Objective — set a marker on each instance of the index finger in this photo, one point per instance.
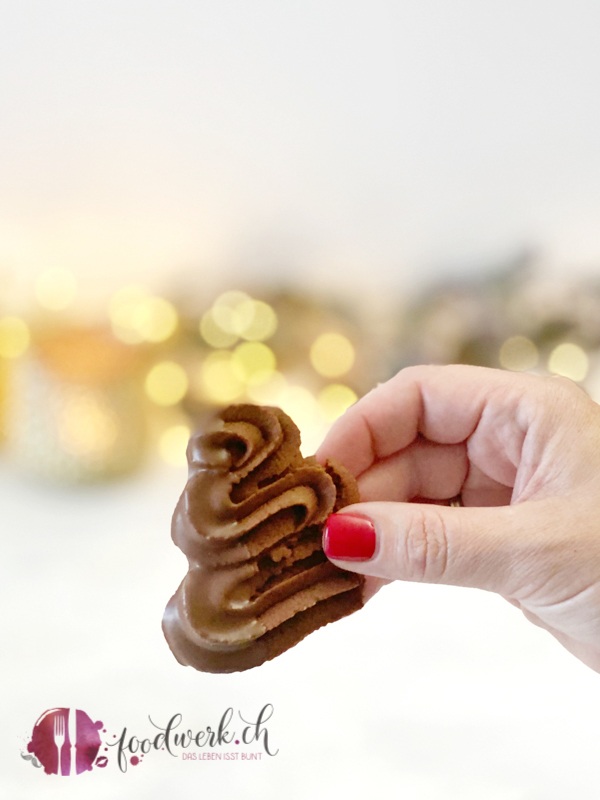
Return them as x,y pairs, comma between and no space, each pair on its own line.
445,404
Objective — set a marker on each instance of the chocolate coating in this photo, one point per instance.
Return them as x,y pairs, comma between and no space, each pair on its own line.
249,521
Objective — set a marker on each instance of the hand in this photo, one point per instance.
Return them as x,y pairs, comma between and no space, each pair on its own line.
522,451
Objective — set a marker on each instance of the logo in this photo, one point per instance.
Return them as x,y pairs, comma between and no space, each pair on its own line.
67,741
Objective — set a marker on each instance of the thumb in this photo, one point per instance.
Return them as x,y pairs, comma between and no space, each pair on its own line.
490,548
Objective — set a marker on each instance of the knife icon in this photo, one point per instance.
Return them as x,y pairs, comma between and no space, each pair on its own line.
72,741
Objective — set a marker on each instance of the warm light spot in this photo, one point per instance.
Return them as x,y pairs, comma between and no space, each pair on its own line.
235,315
213,334
172,445
262,323
335,399
268,391
14,337
155,319
243,314
123,312
518,353
302,407
253,362
296,401
137,316
55,289
166,384
232,311
569,360
86,428
218,380
332,355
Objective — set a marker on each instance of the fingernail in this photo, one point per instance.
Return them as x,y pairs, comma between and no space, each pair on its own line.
349,537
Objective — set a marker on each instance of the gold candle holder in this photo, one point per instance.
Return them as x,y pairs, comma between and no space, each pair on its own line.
75,410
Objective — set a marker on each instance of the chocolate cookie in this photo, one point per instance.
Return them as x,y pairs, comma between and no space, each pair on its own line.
250,522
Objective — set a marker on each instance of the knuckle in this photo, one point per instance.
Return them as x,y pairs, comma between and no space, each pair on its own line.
564,389
426,547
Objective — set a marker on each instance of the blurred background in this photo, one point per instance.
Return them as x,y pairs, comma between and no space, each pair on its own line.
281,202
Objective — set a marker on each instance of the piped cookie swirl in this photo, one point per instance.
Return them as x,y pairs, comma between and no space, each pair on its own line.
250,522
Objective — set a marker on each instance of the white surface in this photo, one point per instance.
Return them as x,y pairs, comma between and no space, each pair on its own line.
146,139
427,693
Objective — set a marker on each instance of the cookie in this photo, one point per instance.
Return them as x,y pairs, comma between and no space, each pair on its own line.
250,522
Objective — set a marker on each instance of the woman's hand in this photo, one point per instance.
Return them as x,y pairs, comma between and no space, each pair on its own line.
523,453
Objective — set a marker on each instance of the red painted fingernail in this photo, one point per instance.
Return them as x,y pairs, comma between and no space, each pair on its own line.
349,537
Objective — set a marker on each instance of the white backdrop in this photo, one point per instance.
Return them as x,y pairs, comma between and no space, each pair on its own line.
391,139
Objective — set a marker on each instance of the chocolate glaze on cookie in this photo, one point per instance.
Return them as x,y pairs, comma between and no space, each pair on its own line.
250,522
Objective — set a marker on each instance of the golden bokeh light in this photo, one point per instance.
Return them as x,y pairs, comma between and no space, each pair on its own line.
335,399
55,289
232,311
213,334
262,323
156,319
166,383
253,362
218,380
137,316
332,355
235,315
518,353
122,310
172,445
268,390
569,360
301,406
14,337
86,427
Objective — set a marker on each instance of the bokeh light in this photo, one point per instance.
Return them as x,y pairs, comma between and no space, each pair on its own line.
172,445
217,379
332,355
14,337
300,404
267,392
122,311
253,362
86,427
335,399
569,360
137,316
213,334
232,311
166,383
518,353
262,324
235,315
156,319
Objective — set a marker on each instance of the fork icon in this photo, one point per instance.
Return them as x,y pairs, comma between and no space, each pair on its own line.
59,738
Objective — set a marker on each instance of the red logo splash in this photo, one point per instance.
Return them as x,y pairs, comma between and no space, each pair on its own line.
66,741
